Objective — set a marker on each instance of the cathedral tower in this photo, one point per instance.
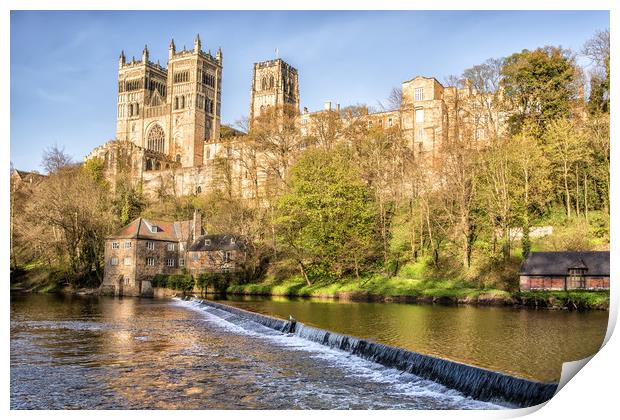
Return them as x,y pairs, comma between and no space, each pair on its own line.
274,83
171,112
195,96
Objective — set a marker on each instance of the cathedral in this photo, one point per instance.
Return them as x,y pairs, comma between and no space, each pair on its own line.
169,133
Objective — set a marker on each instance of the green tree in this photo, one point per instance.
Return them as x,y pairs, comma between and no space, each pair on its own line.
540,85
327,218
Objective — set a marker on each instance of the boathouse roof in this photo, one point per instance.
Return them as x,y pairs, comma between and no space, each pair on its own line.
596,263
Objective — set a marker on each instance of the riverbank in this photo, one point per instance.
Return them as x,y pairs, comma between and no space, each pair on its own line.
373,289
404,290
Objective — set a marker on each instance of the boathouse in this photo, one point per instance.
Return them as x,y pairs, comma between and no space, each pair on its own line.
581,270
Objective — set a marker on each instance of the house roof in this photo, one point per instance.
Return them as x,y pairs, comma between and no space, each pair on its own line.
157,230
216,243
558,263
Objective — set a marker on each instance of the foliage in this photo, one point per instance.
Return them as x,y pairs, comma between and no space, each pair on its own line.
184,282
540,84
326,219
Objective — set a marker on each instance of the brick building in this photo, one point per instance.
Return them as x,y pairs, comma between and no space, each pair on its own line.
565,271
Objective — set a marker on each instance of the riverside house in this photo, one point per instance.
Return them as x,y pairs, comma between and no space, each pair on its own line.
583,270
145,248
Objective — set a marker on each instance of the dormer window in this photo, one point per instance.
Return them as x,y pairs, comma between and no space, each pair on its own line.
207,242
232,241
154,229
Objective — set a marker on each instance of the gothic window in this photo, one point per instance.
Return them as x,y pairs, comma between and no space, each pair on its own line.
198,190
182,101
157,166
156,139
264,83
149,165
137,109
178,158
176,102
271,82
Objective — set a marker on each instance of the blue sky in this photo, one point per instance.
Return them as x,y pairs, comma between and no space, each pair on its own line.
64,64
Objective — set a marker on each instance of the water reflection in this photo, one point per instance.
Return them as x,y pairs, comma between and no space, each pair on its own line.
523,342
81,352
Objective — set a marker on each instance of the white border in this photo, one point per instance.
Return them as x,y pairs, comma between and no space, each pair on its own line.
590,394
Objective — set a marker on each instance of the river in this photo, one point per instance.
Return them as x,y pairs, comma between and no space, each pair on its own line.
102,353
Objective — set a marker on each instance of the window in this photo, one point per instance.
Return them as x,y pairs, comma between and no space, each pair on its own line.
114,261
127,244
150,261
420,134
419,115
126,280
154,229
418,94
156,139
232,241
170,262
207,242
194,257
181,262
127,261
116,245
389,122
227,256
170,247
150,245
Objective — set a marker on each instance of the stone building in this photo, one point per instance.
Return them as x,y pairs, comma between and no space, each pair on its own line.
565,271
142,249
168,120
145,248
216,253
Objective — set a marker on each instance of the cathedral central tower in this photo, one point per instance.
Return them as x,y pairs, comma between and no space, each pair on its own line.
274,84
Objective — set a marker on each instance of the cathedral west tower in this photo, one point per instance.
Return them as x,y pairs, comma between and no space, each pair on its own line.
172,112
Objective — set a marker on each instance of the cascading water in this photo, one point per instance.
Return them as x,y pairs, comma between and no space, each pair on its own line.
481,384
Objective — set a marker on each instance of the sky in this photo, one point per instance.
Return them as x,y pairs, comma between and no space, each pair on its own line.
64,64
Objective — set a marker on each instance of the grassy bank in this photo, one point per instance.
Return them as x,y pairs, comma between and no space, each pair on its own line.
378,288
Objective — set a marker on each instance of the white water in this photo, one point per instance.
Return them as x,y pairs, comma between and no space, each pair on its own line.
394,382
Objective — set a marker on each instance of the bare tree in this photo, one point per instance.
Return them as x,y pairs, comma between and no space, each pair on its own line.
55,158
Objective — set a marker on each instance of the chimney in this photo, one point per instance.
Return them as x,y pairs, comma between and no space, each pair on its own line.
338,108
328,106
197,225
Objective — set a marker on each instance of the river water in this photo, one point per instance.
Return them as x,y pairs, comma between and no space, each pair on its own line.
527,343
103,353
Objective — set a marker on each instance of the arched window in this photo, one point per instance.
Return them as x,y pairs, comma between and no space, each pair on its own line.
176,102
157,166
179,158
264,83
149,165
137,109
131,110
271,82
156,139
198,190
182,101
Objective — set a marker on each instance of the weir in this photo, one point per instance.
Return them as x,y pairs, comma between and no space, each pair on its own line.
476,382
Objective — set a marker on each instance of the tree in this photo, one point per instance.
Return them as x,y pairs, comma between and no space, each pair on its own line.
540,85
55,158
73,213
326,219
566,149
597,49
